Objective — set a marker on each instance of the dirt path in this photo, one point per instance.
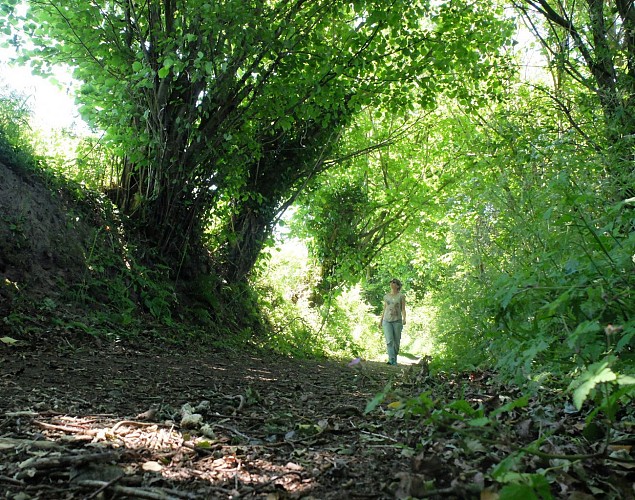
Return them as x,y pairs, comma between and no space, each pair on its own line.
73,420
110,421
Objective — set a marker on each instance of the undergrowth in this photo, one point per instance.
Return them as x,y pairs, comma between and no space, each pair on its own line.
118,287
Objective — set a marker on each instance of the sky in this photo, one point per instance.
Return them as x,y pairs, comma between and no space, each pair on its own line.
52,106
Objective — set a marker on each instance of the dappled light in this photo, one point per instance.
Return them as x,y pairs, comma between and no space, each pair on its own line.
217,424
131,457
318,249
237,426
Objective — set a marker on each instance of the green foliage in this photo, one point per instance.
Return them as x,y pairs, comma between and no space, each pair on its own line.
341,327
14,116
582,50
406,147
206,104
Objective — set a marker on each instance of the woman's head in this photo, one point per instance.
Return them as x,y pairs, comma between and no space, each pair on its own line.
396,282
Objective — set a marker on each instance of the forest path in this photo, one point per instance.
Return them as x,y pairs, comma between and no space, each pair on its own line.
122,421
162,423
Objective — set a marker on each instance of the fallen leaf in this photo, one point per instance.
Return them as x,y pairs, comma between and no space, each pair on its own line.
618,447
489,494
624,458
152,466
411,485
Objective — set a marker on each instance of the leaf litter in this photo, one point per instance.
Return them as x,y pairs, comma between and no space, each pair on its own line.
131,421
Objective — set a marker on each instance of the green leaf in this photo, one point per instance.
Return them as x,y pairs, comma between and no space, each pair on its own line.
502,470
525,486
479,422
518,403
8,341
376,401
596,373
624,341
517,492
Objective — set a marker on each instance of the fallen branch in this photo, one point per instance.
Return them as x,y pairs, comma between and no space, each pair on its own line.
7,443
10,480
249,491
151,494
104,487
46,463
134,423
65,428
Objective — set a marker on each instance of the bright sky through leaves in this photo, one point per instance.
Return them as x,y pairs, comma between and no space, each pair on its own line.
52,106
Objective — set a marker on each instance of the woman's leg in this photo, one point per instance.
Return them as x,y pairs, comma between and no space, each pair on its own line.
397,329
389,335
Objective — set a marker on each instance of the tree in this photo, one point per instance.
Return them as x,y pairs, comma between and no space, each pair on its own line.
593,43
222,111
380,191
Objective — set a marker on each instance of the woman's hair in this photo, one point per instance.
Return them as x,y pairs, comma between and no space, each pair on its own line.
396,282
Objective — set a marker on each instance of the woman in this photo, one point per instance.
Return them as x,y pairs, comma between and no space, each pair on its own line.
393,319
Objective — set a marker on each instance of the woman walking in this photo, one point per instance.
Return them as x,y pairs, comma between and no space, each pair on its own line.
393,319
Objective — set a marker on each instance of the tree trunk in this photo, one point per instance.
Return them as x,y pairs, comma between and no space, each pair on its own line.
251,228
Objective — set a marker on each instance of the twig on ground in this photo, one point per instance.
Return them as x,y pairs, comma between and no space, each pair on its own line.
45,463
104,487
153,494
134,423
65,428
254,489
10,480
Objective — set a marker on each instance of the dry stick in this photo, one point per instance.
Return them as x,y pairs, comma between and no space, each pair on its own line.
154,494
10,480
104,487
57,462
232,430
264,485
65,428
134,423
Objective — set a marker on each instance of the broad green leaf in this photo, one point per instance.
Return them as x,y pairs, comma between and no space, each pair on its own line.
517,403
525,486
503,469
8,341
624,341
517,492
595,374
479,422
373,403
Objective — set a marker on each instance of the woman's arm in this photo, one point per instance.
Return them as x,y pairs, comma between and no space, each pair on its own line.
403,309
381,318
